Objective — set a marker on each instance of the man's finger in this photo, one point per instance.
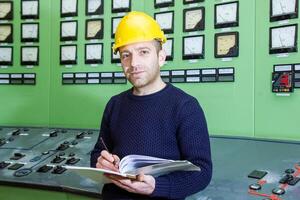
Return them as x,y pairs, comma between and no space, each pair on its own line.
141,177
116,160
105,164
106,155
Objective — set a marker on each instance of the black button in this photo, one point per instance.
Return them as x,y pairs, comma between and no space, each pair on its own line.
57,159
2,141
285,179
80,135
255,186
64,131
62,154
62,147
44,169
278,191
53,134
17,156
16,132
58,170
71,154
4,164
15,166
294,181
289,171
72,161
257,174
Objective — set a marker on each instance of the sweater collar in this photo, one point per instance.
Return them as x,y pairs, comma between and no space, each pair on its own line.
149,96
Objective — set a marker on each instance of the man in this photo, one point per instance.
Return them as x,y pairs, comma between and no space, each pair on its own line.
153,118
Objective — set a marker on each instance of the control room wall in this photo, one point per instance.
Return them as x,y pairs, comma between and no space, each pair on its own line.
245,107
275,116
25,104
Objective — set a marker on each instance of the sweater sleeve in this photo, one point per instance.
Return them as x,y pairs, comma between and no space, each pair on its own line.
194,145
104,133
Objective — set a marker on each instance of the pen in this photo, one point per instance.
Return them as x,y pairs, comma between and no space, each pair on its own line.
104,145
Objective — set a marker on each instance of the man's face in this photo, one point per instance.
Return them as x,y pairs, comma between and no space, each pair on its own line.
141,63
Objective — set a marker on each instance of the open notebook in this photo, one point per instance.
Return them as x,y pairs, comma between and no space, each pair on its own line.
132,165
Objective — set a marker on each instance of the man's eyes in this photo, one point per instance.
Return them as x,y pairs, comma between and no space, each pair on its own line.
124,55
141,52
144,52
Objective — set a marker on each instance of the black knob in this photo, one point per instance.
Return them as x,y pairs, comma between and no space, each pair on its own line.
255,186
278,191
71,154
61,154
289,171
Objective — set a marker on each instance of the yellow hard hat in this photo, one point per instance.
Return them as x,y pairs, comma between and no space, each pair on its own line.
137,27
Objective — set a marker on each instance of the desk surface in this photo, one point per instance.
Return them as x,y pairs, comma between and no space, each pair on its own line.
233,160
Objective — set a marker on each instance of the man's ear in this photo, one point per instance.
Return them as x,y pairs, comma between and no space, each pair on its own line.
161,57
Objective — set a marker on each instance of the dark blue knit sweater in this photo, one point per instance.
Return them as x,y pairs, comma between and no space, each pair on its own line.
168,124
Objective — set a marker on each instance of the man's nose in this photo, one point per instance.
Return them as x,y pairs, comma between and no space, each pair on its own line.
135,60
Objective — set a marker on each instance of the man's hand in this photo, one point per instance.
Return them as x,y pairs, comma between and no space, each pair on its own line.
145,184
108,161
